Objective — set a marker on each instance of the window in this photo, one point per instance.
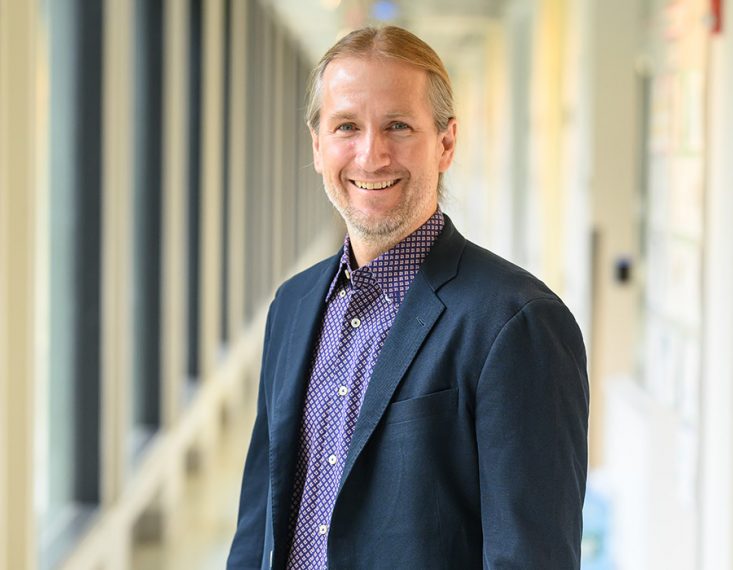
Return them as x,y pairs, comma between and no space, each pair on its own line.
147,216
70,488
254,175
194,190
225,190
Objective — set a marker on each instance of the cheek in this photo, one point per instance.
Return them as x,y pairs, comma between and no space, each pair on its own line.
422,159
336,157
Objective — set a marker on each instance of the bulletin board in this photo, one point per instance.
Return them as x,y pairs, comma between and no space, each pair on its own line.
672,228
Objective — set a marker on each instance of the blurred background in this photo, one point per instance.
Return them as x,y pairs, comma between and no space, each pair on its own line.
156,185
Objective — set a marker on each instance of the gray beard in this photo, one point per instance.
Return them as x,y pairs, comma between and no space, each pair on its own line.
382,232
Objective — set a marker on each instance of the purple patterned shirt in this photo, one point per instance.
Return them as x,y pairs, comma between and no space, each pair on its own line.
361,306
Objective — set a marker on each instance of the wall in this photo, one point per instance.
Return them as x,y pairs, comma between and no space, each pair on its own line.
716,478
653,423
17,256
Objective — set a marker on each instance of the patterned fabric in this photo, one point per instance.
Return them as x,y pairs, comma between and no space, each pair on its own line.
361,306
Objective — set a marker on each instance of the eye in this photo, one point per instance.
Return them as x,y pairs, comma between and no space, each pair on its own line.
346,128
399,126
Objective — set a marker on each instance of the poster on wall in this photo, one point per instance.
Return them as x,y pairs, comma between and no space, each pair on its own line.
671,228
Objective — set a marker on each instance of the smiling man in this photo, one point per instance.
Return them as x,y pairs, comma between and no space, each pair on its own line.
423,403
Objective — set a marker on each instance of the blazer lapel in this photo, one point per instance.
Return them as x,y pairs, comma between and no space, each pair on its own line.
416,318
288,398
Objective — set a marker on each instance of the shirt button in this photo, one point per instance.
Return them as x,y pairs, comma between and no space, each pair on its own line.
342,293
347,273
332,459
386,298
343,390
355,322
323,529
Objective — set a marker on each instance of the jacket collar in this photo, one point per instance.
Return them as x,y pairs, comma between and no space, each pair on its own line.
394,270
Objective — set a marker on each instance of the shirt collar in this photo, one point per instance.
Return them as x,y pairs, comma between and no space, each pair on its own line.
394,270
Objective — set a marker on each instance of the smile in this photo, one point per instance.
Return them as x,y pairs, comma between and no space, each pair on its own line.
374,185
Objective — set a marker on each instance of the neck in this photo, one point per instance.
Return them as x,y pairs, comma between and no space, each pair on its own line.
366,251
365,248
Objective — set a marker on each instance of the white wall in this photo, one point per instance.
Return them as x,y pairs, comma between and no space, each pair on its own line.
717,397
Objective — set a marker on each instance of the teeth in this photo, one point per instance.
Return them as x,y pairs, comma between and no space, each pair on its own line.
375,185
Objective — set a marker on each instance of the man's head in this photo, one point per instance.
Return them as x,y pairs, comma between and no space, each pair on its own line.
380,112
389,42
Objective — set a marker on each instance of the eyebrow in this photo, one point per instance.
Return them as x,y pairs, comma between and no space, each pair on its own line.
341,116
347,116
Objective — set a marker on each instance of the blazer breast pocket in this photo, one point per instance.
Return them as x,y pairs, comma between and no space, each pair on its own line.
436,404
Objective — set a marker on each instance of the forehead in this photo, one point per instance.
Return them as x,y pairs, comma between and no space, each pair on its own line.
374,80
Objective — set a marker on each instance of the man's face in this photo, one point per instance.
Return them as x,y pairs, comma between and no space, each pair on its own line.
377,146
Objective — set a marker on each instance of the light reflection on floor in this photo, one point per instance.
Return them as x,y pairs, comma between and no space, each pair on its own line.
207,514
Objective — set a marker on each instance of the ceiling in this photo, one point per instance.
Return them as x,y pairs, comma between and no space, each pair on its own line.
451,27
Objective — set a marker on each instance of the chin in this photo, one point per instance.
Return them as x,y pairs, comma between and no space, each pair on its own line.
376,226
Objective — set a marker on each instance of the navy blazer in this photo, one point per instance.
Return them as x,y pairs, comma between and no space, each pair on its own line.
470,450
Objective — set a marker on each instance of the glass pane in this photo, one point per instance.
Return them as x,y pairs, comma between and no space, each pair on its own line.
145,408
69,487
254,126
194,186
227,46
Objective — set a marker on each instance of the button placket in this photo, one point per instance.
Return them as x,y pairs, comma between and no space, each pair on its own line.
369,296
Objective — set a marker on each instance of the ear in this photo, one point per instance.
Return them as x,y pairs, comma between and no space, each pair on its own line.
316,152
447,145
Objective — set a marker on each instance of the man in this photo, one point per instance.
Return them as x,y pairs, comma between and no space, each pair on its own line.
423,403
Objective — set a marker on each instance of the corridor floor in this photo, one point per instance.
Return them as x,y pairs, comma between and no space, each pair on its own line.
207,515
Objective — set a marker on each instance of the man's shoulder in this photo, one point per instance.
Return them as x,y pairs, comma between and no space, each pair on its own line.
501,272
488,291
471,274
303,282
488,279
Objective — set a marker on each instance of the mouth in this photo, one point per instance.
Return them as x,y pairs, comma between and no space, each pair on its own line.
374,185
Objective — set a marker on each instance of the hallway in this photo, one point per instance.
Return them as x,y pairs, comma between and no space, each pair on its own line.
205,513
157,186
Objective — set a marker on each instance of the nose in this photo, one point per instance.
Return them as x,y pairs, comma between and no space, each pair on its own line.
372,153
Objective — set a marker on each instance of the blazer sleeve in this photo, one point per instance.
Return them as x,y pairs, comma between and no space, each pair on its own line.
531,430
247,547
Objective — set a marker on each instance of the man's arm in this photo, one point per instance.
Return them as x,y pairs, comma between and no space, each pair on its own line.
531,429
248,543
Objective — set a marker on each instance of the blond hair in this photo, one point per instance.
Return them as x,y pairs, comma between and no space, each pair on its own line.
393,43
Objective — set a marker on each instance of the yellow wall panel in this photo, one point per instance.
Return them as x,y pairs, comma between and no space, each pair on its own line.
17,257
